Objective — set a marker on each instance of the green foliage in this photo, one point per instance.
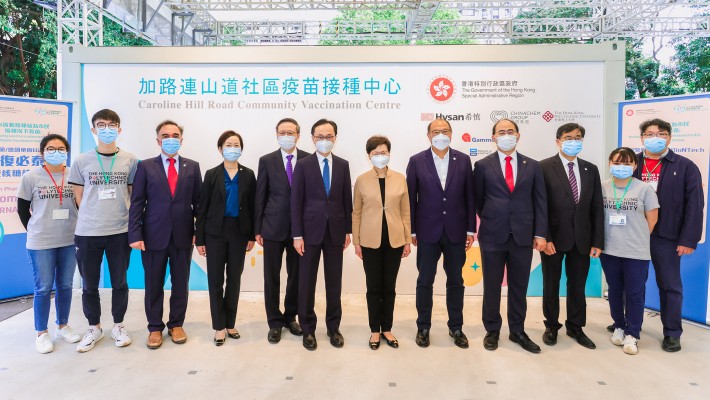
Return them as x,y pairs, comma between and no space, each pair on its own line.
692,61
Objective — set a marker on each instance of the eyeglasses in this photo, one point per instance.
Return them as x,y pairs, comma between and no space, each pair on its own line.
441,132
660,134
564,139
103,125
286,133
508,132
52,150
330,138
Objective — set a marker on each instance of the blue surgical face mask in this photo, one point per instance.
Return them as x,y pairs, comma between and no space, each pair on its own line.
286,142
572,147
380,161
654,144
507,142
170,145
231,153
107,135
56,158
621,171
440,142
324,146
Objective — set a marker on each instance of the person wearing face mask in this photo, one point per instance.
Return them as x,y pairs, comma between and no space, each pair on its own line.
102,179
678,185
45,204
511,201
166,192
576,233
630,214
225,232
382,235
443,218
273,225
321,221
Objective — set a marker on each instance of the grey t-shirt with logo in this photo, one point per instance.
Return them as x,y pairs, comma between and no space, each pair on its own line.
49,227
632,240
104,204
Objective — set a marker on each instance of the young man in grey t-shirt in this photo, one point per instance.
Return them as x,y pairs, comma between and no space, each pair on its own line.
102,181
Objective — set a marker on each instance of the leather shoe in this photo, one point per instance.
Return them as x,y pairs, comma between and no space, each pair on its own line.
336,338
422,339
374,345
274,335
490,341
155,340
610,328
391,343
670,344
524,341
460,339
550,337
581,338
309,342
178,335
294,328
234,335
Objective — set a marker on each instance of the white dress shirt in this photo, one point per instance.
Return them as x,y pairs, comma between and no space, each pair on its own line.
514,162
442,166
575,169
293,159
166,163
330,164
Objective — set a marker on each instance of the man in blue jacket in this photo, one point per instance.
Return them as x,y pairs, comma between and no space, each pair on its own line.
680,220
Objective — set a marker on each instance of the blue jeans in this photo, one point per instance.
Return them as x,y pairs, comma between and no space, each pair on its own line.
52,267
626,278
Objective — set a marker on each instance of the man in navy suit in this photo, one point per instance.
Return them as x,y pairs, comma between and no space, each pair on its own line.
511,201
273,228
321,221
166,191
443,215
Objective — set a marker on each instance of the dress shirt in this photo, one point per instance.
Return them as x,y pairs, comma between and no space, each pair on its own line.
576,172
330,164
231,186
514,162
166,162
293,159
442,166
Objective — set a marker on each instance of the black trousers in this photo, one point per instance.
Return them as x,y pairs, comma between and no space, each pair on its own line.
577,270
496,258
90,251
307,277
666,264
428,255
225,257
273,258
155,263
381,269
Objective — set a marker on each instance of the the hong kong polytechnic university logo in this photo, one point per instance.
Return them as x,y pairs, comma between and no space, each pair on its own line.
442,89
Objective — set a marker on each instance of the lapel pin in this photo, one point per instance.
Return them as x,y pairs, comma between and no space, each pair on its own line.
673,173
524,162
585,169
454,158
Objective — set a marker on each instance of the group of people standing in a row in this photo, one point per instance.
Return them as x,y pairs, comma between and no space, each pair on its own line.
304,205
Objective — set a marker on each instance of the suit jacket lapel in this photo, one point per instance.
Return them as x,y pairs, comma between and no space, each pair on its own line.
240,184
564,179
495,161
432,168
452,167
182,173
219,181
522,165
163,177
280,168
316,164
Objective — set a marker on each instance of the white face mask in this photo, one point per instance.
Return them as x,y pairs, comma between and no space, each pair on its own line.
507,142
287,142
324,146
380,161
440,141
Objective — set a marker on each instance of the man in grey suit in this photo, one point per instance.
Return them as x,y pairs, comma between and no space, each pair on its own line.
273,228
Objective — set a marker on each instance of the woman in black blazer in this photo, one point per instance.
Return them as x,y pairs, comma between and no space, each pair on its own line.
225,231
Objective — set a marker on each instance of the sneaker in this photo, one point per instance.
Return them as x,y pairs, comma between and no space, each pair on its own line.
617,338
120,335
631,345
68,334
44,344
93,335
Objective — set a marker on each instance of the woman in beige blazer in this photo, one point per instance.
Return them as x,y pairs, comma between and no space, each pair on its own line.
382,235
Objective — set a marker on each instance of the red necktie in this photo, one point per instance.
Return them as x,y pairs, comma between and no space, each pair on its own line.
172,176
509,174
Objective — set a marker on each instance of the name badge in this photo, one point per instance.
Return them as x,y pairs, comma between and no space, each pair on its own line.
107,194
654,185
617,219
60,213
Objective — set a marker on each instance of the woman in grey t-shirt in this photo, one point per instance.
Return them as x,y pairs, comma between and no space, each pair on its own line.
45,203
630,212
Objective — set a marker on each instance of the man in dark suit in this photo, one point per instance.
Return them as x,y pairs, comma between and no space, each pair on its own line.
321,220
273,228
576,233
443,216
511,201
166,191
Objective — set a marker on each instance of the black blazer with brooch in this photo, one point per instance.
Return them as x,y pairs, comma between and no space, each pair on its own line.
213,196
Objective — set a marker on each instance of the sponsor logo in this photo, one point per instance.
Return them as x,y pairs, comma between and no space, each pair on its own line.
548,116
44,111
475,152
427,116
460,117
497,115
681,109
466,137
442,89
629,113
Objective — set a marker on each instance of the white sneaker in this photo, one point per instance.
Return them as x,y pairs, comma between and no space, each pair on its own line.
631,345
68,334
44,344
120,335
617,338
93,335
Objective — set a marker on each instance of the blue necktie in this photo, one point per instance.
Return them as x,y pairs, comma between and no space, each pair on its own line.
326,177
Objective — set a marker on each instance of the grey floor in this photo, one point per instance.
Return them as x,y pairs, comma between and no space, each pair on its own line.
251,368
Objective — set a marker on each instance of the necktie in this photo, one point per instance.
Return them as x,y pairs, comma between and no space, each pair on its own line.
509,174
573,182
326,177
172,176
289,168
